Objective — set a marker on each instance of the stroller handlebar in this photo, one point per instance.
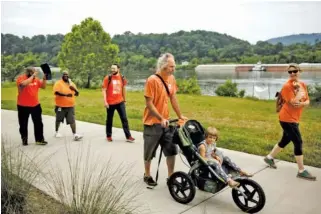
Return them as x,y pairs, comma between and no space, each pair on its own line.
173,121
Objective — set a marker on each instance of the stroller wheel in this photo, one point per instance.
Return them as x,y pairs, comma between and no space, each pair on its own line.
181,187
255,196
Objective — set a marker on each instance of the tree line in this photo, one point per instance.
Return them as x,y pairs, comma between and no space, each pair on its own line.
88,49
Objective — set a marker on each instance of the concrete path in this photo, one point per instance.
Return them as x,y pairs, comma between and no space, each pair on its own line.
284,192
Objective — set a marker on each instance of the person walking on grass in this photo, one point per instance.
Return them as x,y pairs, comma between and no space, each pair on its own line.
28,103
156,114
65,92
295,97
114,94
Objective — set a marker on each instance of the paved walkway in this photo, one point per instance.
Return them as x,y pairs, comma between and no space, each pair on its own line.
284,192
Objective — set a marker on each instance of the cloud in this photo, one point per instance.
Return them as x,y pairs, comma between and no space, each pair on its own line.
251,21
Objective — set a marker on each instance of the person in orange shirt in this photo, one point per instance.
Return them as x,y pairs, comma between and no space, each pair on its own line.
295,96
156,114
114,94
28,103
65,92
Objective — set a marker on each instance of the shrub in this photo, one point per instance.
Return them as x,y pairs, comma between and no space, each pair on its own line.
18,171
188,86
315,94
229,89
93,186
242,93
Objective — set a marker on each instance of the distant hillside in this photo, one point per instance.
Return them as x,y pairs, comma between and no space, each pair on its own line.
299,38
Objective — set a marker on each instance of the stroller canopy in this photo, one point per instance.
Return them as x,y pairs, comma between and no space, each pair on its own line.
191,133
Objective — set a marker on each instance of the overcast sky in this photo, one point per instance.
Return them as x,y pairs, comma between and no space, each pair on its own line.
251,21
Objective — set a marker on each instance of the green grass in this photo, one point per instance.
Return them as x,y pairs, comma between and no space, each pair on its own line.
245,125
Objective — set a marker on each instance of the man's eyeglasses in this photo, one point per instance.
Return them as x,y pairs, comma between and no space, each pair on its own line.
293,71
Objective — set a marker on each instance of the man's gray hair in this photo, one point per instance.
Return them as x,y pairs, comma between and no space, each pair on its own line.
163,61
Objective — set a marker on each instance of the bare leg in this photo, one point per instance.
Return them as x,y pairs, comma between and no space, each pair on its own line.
299,161
170,160
276,149
147,168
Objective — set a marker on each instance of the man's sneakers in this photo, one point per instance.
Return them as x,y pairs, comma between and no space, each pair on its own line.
270,162
306,175
41,143
77,137
58,135
130,139
149,181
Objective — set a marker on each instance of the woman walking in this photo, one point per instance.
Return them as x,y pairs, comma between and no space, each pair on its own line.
294,98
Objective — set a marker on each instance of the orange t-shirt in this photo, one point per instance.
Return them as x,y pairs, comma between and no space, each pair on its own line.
28,95
115,89
288,113
63,87
154,88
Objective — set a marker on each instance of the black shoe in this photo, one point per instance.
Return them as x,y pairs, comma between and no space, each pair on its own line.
25,142
149,181
42,143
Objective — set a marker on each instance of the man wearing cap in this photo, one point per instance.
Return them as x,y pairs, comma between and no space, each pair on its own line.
28,103
113,89
65,92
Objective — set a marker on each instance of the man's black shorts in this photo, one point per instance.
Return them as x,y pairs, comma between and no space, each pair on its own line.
65,112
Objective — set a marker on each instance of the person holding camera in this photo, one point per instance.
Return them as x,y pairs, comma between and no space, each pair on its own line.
65,92
28,103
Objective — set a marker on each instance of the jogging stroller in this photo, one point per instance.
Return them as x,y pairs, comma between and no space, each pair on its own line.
249,196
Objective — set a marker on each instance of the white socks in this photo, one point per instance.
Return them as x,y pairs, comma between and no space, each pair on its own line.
269,157
301,170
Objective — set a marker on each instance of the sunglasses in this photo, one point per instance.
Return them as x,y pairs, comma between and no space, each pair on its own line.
293,71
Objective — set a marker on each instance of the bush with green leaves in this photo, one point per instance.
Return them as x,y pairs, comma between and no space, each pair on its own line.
188,86
315,94
229,89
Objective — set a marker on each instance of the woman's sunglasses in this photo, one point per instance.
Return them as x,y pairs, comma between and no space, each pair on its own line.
293,71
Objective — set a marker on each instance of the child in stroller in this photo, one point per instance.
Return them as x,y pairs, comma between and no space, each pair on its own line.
191,137
209,152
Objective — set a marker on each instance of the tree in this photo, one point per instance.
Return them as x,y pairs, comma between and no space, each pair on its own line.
12,65
87,51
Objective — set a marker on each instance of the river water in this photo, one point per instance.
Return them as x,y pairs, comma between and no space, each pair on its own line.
260,84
